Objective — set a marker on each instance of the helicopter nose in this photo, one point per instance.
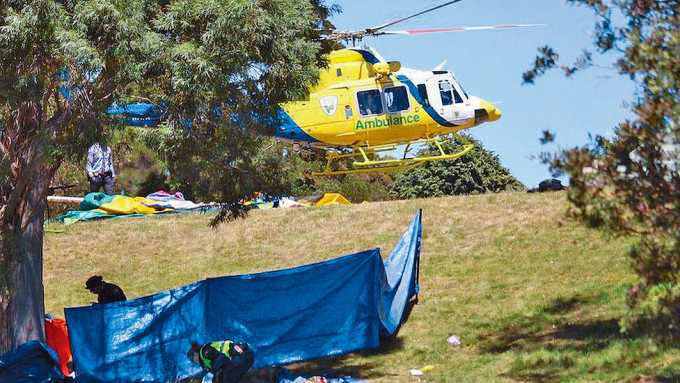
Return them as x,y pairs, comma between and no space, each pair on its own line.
486,112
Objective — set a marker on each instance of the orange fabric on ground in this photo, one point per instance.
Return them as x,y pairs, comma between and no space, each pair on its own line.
57,338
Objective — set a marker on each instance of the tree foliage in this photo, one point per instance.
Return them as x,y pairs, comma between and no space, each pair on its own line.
231,66
479,171
218,67
293,172
629,186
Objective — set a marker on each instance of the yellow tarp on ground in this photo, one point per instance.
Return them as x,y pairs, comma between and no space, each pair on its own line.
100,205
121,205
332,199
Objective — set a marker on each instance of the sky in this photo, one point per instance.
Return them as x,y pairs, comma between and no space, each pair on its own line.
489,65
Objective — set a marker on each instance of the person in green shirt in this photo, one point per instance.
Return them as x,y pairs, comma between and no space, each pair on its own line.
227,360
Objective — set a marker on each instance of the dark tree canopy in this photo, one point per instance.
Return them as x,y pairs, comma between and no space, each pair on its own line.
219,68
630,186
479,171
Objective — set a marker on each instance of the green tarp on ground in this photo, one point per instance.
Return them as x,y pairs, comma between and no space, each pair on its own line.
100,205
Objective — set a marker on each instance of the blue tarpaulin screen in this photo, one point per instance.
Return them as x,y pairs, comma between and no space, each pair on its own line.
328,308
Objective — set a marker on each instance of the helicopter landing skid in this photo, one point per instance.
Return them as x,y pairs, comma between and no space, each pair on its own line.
366,164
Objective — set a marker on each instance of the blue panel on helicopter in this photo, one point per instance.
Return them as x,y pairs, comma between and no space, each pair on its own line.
368,56
289,130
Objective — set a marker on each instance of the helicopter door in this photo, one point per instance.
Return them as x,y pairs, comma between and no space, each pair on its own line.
446,100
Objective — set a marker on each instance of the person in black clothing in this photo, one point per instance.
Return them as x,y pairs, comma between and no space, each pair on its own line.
226,360
106,292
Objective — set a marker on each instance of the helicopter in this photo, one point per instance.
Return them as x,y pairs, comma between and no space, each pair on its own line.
364,105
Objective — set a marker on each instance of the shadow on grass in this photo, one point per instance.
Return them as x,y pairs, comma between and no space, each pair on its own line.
552,328
562,305
652,379
554,338
565,339
342,365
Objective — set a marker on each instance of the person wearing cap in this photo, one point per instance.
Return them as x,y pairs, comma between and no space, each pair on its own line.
227,360
106,292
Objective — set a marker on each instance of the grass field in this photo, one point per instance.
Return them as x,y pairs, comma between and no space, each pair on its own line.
533,297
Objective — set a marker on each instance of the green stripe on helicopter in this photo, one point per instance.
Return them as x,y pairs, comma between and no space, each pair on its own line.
386,121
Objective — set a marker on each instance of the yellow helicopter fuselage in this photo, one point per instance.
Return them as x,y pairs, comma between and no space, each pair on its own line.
363,101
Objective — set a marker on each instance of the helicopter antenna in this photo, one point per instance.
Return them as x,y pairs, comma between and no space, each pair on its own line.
440,66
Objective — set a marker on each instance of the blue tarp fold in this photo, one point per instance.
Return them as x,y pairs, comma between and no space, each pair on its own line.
328,308
30,362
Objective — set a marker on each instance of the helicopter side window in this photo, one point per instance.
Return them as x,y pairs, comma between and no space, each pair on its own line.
422,92
396,99
445,92
369,102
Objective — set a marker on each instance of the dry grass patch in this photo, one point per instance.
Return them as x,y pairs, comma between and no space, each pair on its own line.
532,296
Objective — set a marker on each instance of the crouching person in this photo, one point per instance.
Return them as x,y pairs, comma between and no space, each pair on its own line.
227,361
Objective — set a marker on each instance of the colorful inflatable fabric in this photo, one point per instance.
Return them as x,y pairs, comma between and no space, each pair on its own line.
100,205
332,199
265,203
174,201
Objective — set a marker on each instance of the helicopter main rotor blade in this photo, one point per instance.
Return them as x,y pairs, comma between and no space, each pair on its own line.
379,27
456,29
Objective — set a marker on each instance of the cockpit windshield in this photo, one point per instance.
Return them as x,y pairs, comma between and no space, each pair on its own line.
459,85
448,93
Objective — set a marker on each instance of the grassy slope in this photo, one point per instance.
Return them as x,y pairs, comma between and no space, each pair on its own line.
531,296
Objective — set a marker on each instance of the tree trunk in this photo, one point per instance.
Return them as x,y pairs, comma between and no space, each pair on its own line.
22,309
